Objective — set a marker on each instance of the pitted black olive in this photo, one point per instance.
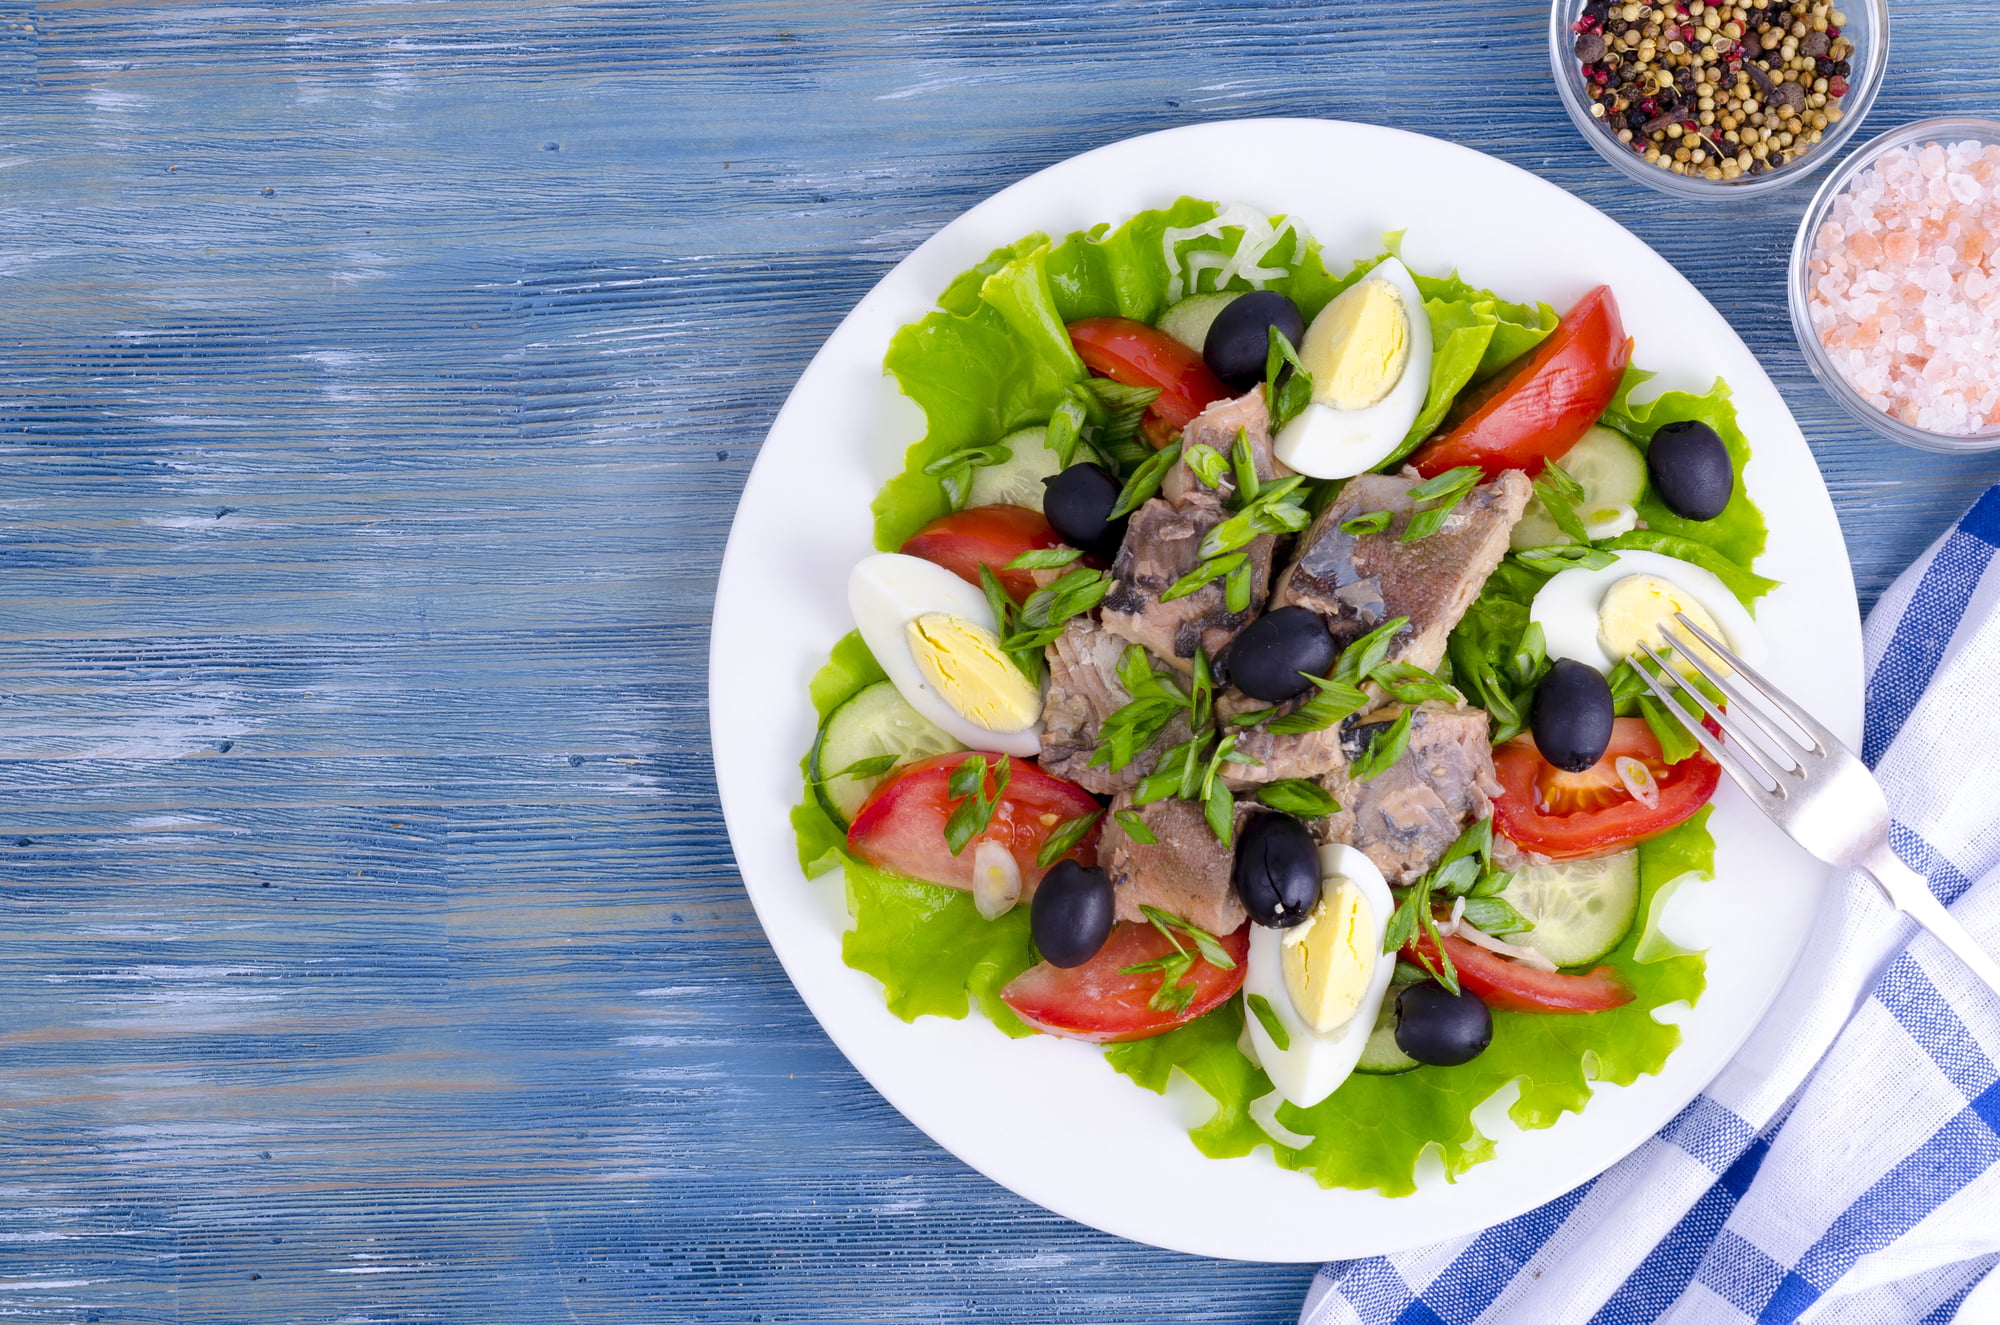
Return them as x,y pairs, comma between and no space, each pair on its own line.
1072,913
1690,469
1572,715
1078,505
1277,870
1240,337
1270,659
1436,1026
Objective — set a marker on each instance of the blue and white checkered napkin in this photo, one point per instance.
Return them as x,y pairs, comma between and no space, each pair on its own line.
1845,1167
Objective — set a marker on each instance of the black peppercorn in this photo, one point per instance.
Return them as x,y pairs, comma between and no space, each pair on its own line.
1841,68
1824,68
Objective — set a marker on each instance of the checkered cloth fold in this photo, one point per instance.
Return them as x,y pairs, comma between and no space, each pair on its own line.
1845,1167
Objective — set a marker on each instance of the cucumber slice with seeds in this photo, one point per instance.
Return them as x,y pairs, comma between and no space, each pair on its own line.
1188,320
1612,473
1580,909
1017,481
873,722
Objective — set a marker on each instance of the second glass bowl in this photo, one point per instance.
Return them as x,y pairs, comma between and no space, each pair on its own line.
1945,131
1867,27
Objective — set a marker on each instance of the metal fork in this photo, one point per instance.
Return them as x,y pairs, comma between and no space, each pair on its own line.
1813,787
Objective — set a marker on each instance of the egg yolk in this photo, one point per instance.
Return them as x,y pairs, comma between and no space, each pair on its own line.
962,661
1329,960
1356,348
1638,608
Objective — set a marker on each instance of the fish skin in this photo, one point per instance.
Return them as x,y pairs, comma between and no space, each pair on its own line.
1084,690
1188,874
1161,545
1357,581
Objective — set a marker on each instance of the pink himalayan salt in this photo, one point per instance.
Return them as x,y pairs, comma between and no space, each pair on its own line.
1905,293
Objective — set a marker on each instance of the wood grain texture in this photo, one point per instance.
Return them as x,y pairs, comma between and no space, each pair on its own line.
376,384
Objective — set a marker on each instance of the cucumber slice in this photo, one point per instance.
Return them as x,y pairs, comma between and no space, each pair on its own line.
1016,481
1380,1057
1580,909
1612,473
874,721
1187,321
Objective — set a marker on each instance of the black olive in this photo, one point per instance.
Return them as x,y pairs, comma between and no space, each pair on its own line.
1267,659
1240,336
1436,1026
1277,870
1690,470
1078,505
1072,912
1572,715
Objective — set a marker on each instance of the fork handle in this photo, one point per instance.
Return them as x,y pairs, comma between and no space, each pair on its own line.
1910,893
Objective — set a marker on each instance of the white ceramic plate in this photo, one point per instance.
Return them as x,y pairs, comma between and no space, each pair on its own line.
1046,1117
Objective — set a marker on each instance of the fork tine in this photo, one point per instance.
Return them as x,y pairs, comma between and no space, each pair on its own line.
1823,739
1744,707
1726,755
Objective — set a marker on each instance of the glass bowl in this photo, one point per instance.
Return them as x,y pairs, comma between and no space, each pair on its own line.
1950,129
1867,27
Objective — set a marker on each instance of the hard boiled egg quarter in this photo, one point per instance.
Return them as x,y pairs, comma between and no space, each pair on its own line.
1369,355
1324,979
1600,616
934,635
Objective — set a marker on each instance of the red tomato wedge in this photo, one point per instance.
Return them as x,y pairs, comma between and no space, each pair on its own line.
1099,1002
985,535
1544,407
1506,984
1138,355
900,827
1567,816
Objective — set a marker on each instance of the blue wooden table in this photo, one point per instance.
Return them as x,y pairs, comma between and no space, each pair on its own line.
376,384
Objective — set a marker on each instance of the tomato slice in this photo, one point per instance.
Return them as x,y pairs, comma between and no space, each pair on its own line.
1566,816
1542,409
1099,1002
1506,984
900,827
985,535
1138,355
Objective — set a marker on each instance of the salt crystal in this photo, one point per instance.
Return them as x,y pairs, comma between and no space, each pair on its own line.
1906,288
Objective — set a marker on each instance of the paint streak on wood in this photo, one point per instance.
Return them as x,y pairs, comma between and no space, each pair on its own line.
376,384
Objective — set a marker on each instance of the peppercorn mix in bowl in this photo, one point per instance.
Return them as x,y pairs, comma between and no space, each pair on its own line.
1718,100
1895,284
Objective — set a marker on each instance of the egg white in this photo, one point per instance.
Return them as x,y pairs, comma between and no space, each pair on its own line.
886,592
1323,442
1567,607
1314,1065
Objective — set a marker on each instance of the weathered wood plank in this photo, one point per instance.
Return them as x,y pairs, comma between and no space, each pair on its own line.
376,382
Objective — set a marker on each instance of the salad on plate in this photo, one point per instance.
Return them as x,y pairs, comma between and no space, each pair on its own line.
1253,680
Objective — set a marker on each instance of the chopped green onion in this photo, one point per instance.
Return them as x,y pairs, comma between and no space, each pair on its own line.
1260,1007
1064,837
1385,749
1298,796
